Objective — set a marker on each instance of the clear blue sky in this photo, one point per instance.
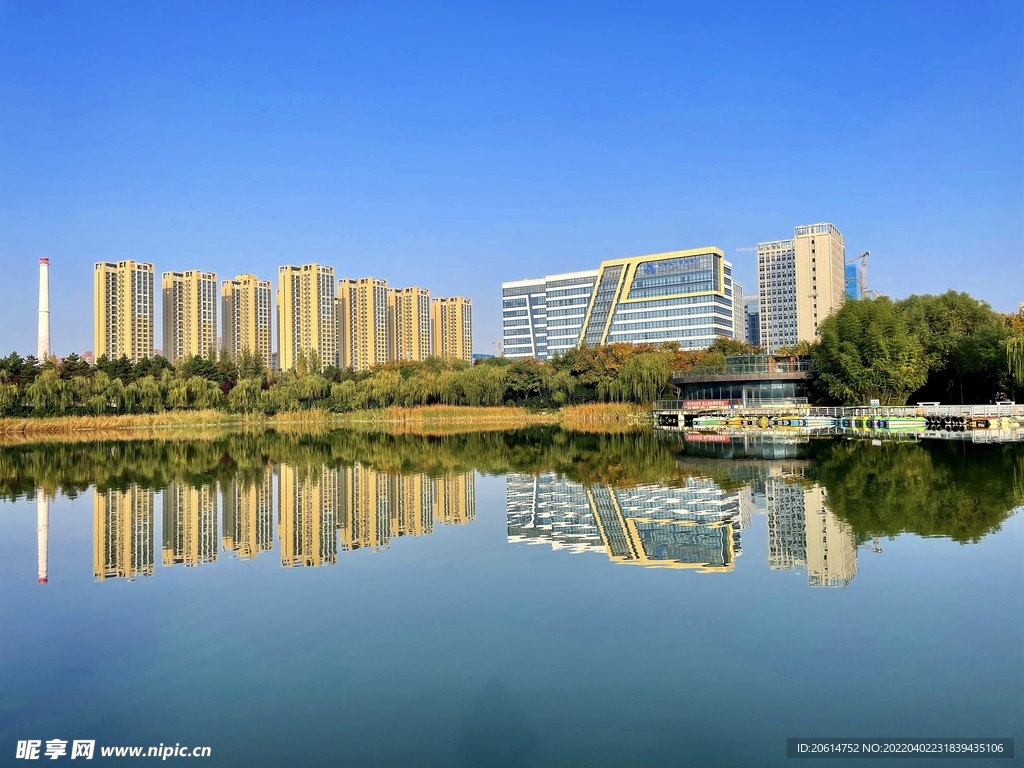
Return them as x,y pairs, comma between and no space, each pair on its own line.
454,145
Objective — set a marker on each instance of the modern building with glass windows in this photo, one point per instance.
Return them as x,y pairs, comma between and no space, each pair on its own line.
752,315
854,281
686,297
748,380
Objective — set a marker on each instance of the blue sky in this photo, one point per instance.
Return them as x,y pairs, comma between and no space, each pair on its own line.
456,145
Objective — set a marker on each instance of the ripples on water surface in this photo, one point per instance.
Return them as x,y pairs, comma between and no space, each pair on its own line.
526,598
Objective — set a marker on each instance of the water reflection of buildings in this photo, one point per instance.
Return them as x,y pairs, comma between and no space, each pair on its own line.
248,516
189,524
694,525
321,510
347,508
804,534
377,507
123,533
307,515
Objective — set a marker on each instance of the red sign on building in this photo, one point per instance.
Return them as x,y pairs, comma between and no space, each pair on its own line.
706,437
706,403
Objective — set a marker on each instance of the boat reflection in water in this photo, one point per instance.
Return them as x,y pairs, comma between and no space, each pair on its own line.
320,511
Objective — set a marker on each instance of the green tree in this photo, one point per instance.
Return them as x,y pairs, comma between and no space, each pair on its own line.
250,365
245,396
868,352
962,338
201,367
72,366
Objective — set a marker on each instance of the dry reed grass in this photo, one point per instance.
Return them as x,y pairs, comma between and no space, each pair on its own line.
433,419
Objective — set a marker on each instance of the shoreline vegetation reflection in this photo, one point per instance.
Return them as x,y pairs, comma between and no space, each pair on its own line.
641,498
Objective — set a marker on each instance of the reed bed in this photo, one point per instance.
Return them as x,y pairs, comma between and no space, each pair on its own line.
433,419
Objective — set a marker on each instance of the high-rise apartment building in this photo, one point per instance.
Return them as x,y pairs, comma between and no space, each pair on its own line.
681,296
345,307
123,309
190,314
739,315
306,322
409,323
368,323
800,282
451,321
246,311
752,320
122,531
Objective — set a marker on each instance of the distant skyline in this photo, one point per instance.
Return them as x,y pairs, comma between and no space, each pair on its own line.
457,146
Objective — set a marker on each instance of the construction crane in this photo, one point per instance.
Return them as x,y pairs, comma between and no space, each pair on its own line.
863,267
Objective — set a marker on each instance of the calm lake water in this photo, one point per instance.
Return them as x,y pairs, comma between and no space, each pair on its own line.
527,598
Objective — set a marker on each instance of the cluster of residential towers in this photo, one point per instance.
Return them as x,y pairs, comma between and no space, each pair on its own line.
350,323
688,297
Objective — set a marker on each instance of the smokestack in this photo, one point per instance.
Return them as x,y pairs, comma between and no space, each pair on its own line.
42,530
43,350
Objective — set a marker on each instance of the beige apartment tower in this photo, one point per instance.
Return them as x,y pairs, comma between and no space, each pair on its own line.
306,323
363,330
123,309
190,314
409,323
800,282
246,309
451,321
345,316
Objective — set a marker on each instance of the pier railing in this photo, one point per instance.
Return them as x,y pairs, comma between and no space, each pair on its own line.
799,405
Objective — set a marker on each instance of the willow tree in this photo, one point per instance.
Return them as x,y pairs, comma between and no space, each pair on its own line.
1015,357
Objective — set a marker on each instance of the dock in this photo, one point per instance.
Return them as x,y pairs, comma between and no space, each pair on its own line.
794,413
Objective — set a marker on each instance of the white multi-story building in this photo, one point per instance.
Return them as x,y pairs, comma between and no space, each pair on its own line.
800,282
687,297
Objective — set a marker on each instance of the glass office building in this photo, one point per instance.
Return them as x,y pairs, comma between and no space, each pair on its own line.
685,297
854,281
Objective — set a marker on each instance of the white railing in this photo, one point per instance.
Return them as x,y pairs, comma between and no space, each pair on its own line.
846,412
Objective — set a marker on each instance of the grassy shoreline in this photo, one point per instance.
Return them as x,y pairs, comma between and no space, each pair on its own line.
602,417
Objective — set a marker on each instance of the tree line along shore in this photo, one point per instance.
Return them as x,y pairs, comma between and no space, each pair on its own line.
950,348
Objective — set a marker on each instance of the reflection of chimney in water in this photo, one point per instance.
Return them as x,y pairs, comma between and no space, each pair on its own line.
42,530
